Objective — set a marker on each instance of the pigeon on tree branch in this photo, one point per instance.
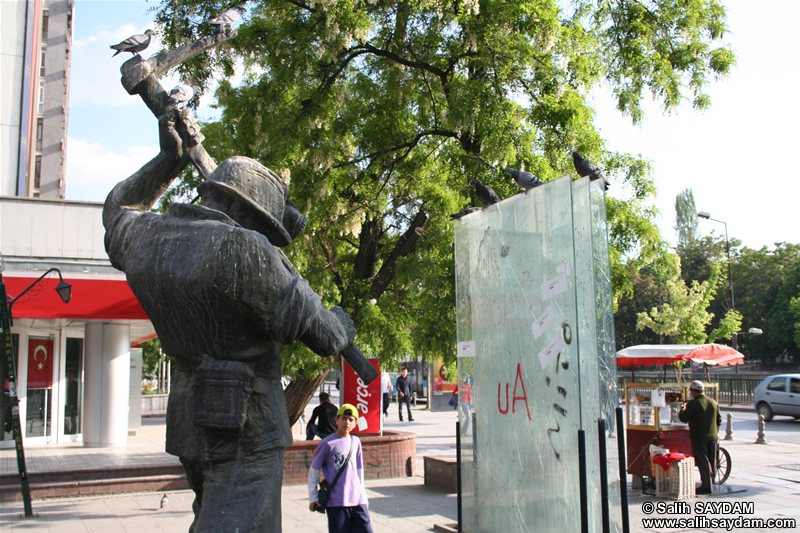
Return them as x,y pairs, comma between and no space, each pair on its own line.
134,44
181,94
226,20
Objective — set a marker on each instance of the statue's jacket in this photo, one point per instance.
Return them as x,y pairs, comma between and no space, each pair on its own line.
222,300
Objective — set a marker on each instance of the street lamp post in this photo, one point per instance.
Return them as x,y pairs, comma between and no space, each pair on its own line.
64,290
707,216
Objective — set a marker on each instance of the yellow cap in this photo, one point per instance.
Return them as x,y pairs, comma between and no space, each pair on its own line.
348,409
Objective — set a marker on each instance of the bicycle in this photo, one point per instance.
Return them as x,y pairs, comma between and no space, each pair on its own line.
723,466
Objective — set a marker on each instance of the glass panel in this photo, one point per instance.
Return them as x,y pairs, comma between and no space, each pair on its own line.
536,347
40,383
74,387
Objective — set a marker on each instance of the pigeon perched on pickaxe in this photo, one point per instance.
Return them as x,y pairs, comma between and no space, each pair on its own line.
526,180
465,212
584,167
134,44
181,94
226,20
485,193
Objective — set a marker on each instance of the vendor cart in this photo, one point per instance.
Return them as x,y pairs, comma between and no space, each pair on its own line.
652,419
659,424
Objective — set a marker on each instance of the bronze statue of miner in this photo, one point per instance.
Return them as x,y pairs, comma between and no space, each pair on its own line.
222,297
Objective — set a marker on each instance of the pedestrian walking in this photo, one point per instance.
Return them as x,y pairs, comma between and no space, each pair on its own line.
386,389
339,458
403,385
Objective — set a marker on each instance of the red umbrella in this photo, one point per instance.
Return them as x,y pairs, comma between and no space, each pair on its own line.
653,354
714,354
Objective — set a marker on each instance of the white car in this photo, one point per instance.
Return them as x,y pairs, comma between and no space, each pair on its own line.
778,395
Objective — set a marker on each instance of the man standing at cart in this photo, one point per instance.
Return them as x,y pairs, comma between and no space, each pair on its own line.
704,419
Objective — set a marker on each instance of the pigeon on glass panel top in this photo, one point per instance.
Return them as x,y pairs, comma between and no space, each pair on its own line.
465,212
485,193
584,167
526,180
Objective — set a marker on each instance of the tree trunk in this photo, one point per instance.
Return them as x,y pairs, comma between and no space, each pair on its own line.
299,392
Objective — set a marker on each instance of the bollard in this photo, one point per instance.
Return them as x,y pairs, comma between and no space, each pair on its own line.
729,429
762,439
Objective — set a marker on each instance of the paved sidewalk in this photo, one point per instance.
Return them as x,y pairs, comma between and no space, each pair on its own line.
766,475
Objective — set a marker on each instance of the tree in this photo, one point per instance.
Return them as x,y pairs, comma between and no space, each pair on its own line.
383,112
646,293
759,276
685,218
782,317
685,316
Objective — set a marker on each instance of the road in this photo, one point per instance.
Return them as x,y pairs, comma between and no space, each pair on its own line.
781,429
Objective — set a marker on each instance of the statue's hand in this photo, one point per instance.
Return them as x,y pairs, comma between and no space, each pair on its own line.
178,132
188,128
171,143
346,321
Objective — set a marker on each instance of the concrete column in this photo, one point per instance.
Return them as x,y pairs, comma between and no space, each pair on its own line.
107,384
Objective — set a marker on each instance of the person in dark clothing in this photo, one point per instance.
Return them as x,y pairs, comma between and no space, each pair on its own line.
325,412
403,385
702,414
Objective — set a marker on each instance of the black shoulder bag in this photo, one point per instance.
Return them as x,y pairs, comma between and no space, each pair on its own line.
324,488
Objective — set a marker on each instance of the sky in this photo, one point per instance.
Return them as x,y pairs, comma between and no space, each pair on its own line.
732,156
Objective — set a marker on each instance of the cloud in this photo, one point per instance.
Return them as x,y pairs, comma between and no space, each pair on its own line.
93,170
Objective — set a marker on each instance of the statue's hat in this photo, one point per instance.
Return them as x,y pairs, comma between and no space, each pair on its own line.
255,187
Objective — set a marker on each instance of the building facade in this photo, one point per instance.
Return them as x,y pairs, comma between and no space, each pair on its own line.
35,57
75,375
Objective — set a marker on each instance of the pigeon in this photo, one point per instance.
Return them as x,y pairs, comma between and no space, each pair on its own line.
226,20
526,180
134,44
181,94
485,193
584,167
465,212
164,501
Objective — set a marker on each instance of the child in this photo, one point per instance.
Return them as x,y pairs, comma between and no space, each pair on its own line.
347,510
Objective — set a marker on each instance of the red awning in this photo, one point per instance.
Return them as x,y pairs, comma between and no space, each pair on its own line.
665,354
652,354
714,354
92,299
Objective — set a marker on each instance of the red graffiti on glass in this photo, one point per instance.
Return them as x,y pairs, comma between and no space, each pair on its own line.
523,398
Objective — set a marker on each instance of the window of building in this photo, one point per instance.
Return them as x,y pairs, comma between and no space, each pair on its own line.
45,25
37,172
39,133
41,98
42,70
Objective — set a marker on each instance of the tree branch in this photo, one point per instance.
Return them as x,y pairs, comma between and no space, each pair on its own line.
405,246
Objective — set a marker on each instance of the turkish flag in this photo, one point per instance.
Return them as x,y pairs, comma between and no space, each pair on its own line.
40,363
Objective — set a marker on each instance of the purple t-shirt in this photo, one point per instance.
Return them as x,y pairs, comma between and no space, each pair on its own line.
329,457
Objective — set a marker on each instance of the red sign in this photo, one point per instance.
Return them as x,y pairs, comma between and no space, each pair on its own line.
40,363
366,398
